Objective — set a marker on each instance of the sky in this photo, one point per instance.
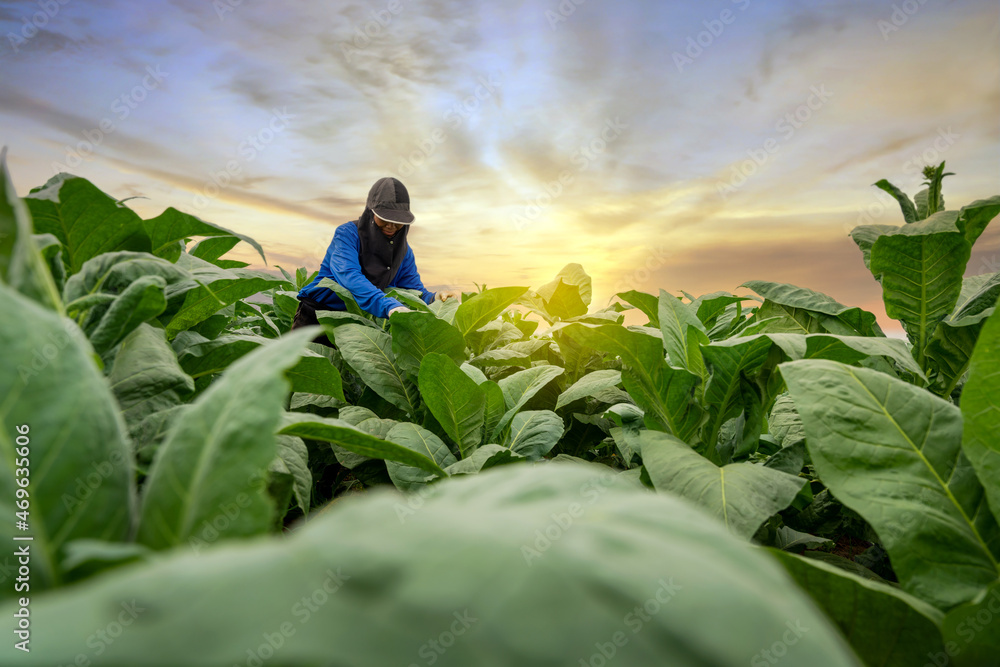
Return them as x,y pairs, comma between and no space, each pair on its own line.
662,145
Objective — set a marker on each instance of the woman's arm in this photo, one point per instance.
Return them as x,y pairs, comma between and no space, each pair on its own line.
408,278
346,270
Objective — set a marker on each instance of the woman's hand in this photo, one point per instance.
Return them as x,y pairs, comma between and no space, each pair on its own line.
447,294
399,309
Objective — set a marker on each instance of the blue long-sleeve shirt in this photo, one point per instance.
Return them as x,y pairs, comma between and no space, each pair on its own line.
342,263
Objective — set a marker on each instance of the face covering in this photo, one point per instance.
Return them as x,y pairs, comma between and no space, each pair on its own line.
380,255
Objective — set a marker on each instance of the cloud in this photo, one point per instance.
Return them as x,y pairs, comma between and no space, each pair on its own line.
235,195
73,125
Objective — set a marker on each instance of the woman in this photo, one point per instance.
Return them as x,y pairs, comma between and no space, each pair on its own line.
367,257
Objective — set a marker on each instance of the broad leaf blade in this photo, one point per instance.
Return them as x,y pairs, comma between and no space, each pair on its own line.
368,351
589,385
419,569
883,624
860,321
341,433
665,394
211,455
973,219
21,263
741,495
909,210
203,301
533,433
683,333
970,628
892,453
477,310
647,303
172,226
315,374
981,411
414,335
85,220
422,441
146,377
521,387
454,399
140,302
214,247
80,463
950,351
294,457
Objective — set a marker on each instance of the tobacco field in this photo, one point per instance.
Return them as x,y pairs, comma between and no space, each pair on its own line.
520,478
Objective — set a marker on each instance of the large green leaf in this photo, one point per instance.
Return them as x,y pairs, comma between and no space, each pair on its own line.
950,351
343,434
728,363
981,411
979,293
445,309
970,631
493,409
293,460
501,357
208,298
533,433
740,495
883,624
973,219
21,263
168,230
905,204
589,385
481,308
791,297
364,420
569,294
455,400
146,377
200,356
113,272
141,301
210,463
865,236
845,349
920,267
483,458
683,333
519,388
384,575
422,441
414,335
573,274
648,304
85,220
315,374
79,464
212,248
892,453
411,298
345,296
665,394
784,423
368,351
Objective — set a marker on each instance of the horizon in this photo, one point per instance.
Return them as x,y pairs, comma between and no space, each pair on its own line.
660,146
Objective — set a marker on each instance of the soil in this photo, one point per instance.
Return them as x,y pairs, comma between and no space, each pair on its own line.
848,547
